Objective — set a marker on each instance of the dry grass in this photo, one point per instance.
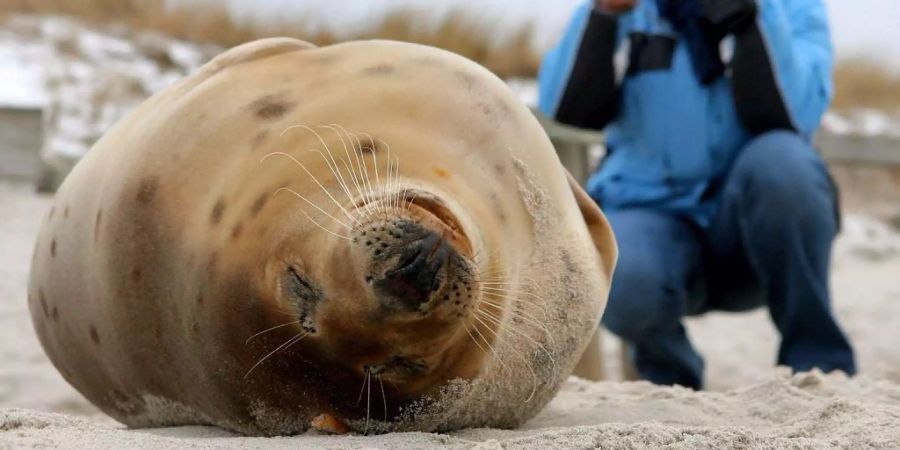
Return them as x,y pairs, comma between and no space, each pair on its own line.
859,83
515,57
862,83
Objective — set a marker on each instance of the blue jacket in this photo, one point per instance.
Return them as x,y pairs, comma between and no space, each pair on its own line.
671,139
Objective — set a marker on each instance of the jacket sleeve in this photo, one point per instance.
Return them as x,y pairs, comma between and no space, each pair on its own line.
781,69
577,80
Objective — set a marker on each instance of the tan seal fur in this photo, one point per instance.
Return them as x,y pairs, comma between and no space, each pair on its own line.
371,233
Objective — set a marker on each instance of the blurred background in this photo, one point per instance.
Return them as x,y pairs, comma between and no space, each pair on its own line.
70,69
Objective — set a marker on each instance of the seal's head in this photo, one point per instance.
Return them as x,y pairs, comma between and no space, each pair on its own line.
386,299
396,283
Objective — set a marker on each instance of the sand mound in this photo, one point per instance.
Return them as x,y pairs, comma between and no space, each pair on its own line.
804,411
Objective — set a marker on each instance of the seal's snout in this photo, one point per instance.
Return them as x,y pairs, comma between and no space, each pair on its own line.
415,277
416,259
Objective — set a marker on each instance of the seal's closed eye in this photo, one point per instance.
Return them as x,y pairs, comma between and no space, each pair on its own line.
300,287
305,296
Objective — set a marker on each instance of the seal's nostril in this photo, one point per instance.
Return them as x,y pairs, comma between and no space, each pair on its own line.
415,277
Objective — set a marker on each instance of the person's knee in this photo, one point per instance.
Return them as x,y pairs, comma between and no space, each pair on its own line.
640,300
781,171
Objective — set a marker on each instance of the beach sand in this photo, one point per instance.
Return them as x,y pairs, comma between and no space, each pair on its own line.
749,403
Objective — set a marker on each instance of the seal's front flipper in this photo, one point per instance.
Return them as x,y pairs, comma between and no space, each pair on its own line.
326,423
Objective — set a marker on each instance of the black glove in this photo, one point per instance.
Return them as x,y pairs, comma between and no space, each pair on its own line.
730,16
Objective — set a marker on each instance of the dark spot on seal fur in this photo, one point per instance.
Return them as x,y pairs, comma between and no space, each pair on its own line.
258,204
43,301
200,298
465,77
213,264
66,212
54,314
215,216
97,220
271,107
322,58
485,108
368,145
53,248
94,335
568,261
136,274
258,139
426,60
147,190
379,70
236,231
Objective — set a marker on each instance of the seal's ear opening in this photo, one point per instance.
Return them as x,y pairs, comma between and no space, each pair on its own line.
598,226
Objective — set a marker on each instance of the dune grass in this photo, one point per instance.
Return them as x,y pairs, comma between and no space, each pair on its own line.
515,57
860,83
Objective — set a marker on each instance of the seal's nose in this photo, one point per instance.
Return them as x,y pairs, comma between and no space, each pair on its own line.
411,282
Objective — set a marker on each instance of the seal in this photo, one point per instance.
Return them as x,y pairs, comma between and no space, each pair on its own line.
371,235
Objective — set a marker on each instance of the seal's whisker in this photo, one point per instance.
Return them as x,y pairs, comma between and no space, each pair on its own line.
383,396
322,141
316,180
297,338
480,258
524,360
314,222
412,199
364,214
518,313
469,332
499,322
518,292
361,166
363,169
392,180
351,170
493,350
535,307
394,175
270,329
374,164
385,188
363,387
523,288
388,175
503,279
504,327
320,209
368,400
339,177
398,189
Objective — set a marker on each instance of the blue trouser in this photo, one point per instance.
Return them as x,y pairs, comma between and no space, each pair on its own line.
769,244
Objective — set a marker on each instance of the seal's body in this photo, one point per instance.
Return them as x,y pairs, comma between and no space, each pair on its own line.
374,232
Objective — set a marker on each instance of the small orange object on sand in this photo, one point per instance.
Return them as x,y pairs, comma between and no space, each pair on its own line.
327,423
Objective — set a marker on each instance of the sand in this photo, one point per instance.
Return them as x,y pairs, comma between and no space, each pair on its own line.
749,404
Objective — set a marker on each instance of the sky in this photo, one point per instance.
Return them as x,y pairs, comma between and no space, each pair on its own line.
868,27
